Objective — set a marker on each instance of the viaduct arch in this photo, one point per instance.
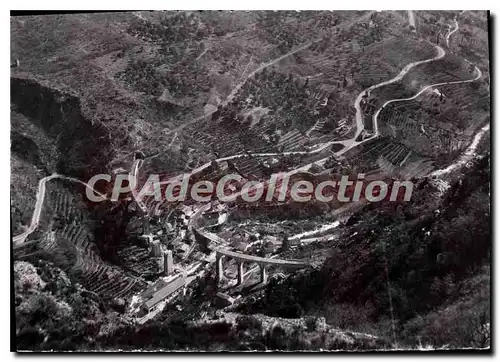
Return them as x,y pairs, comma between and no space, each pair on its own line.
261,262
209,241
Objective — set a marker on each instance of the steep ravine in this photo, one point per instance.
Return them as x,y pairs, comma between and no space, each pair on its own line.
84,145
80,147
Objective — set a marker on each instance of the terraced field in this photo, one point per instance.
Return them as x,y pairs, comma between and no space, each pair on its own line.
391,158
136,259
229,137
69,243
250,167
403,124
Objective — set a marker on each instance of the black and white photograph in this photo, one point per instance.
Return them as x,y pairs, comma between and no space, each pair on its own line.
250,181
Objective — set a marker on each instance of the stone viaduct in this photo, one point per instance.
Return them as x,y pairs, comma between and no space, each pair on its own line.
261,262
209,241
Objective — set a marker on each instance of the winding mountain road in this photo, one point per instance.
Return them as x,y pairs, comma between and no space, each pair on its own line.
235,90
359,114
450,33
375,116
40,197
348,144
